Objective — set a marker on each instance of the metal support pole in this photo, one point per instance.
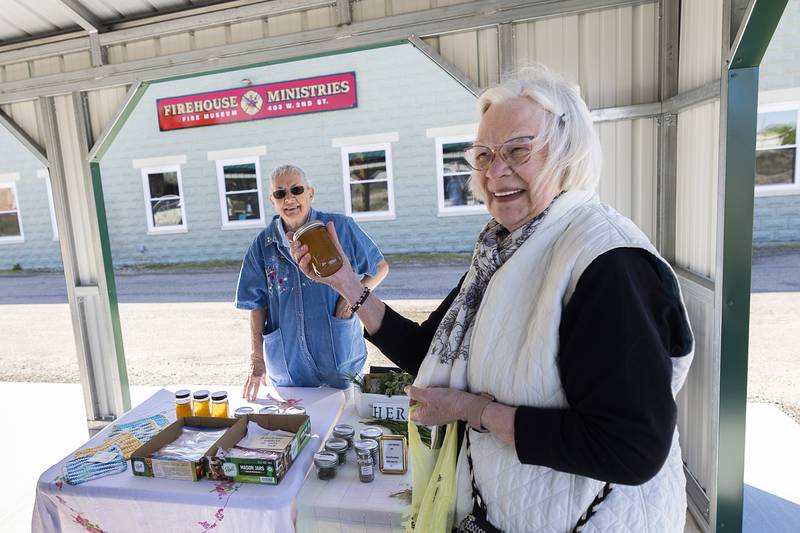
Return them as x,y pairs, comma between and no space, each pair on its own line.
85,250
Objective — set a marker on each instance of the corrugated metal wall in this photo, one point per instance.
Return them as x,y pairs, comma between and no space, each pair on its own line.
696,229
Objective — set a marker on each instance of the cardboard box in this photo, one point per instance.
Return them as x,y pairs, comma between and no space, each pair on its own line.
144,465
269,471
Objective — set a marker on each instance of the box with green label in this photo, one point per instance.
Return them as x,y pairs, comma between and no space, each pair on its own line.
143,462
283,450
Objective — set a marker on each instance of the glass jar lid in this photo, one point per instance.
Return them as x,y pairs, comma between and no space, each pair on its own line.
182,394
200,394
243,411
344,430
371,433
269,410
295,410
219,396
336,445
311,224
326,459
365,445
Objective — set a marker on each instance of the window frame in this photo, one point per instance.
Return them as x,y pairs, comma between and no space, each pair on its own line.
223,205
348,203
163,230
45,175
13,239
459,210
782,189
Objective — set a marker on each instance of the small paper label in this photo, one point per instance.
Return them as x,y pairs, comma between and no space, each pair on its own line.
138,466
366,470
103,457
269,442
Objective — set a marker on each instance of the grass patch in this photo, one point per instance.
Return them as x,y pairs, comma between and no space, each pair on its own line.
217,264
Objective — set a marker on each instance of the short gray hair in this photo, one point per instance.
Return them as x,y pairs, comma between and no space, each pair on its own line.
289,169
574,154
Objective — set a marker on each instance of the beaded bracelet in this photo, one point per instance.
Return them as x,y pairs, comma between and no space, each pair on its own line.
360,302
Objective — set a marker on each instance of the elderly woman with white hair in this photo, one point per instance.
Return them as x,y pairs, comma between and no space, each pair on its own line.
564,344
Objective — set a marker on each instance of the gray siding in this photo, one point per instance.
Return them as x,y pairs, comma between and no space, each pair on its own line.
39,250
399,90
777,219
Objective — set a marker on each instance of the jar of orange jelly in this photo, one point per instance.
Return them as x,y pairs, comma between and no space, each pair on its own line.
202,403
325,258
219,404
183,403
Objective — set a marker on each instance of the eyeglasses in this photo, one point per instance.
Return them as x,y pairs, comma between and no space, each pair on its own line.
280,194
515,152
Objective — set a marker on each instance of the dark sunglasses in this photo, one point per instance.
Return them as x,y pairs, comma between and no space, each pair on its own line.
280,194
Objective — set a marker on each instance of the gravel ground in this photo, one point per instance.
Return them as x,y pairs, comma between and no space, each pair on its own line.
207,342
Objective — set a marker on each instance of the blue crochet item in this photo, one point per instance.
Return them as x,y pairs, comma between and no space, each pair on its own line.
143,429
82,469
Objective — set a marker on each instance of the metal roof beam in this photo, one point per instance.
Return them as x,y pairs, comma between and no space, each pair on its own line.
450,19
22,136
754,33
456,73
82,16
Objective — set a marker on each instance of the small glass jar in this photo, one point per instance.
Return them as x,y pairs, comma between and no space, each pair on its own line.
219,404
325,258
339,447
269,410
242,412
366,466
183,403
370,446
346,432
326,463
371,433
294,410
202,403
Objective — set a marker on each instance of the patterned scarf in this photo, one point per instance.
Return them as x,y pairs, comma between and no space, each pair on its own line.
446,361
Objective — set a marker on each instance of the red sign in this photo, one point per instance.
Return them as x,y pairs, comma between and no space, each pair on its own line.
295,97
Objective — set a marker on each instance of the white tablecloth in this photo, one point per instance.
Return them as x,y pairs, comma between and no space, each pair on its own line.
124,502
345,504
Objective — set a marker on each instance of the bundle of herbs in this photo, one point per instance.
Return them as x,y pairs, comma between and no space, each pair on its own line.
388,383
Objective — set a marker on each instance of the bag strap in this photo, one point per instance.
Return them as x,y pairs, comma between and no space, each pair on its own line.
480,506
478,503
592,509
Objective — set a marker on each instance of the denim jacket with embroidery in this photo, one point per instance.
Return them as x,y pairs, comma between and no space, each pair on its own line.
305,345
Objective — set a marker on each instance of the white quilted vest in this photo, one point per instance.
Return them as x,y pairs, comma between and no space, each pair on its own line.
513,357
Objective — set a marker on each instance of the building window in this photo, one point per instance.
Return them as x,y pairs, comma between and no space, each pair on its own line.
241,202
163,198
10,222
368,182
776,151
453,175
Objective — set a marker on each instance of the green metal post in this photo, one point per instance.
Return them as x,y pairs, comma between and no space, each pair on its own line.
111,284
741,109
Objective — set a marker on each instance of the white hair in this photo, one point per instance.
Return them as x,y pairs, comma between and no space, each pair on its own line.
289,169
573,148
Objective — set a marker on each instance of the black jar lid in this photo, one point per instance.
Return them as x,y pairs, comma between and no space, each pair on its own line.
200,394
182,394
219,396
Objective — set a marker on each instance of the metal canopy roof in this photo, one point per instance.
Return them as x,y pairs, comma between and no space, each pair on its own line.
26,20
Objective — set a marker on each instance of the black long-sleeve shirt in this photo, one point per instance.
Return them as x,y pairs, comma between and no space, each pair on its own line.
617,336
